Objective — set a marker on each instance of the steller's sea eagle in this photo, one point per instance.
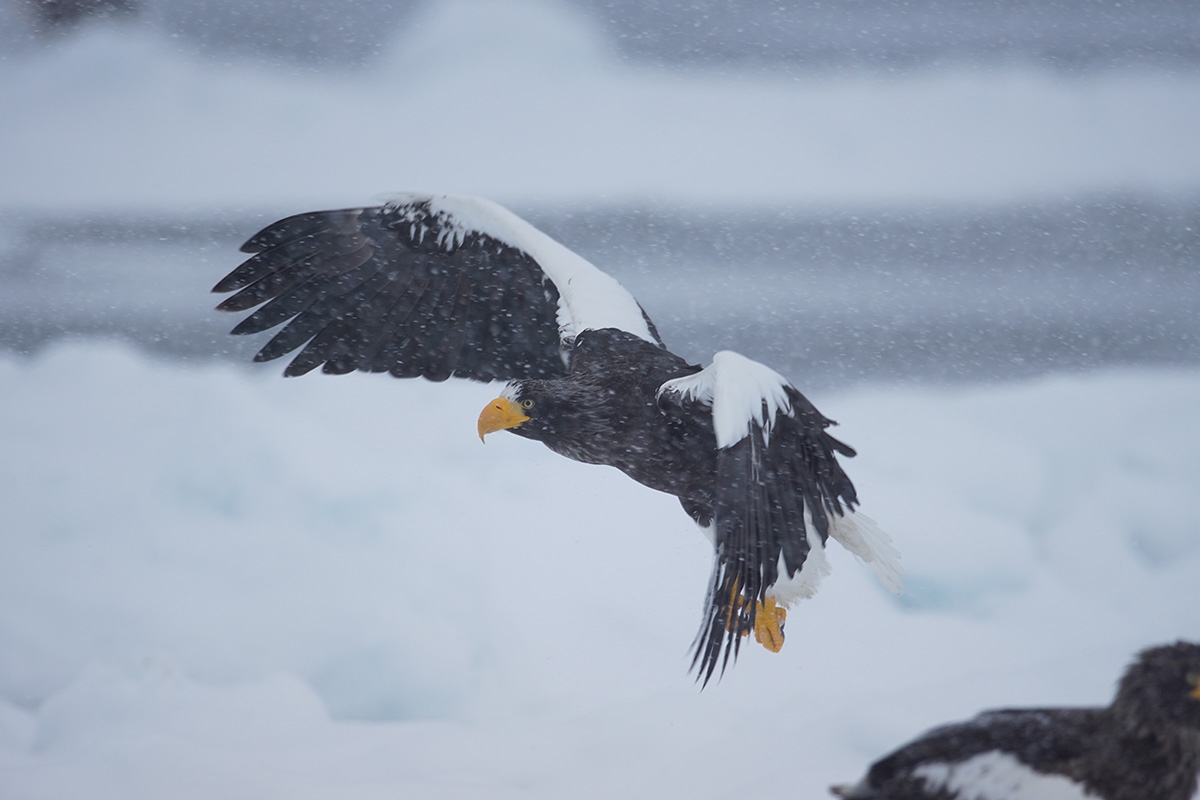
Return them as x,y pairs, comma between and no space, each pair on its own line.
1145,746
438,285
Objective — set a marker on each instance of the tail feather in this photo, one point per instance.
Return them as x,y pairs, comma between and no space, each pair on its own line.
860,534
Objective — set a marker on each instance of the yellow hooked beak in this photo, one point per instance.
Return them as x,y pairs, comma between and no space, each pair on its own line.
499,415
1194,680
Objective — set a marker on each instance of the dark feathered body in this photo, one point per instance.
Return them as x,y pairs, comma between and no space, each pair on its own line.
610,409
606,412
1145,746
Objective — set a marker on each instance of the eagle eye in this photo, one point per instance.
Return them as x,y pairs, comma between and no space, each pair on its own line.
527,404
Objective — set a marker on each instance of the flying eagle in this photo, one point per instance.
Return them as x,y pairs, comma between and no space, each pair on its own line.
439,286
1145,746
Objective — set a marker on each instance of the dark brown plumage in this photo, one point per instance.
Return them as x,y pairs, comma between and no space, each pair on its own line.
1145,746
441,286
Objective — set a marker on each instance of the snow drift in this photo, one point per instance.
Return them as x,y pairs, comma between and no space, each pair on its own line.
208,574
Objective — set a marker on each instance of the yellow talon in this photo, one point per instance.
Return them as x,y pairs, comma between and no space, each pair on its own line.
768,620
768,625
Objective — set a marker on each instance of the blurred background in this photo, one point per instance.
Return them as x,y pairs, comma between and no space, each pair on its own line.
922,190
969,230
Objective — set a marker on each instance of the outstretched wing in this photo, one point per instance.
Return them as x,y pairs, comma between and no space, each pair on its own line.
427,285
779,486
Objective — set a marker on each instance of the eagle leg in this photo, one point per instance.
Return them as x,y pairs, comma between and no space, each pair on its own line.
769,618
768,625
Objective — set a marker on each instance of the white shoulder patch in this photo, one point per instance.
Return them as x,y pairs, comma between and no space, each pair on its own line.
588,298
737,389
996,775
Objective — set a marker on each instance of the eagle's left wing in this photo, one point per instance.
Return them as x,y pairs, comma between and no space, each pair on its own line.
780,494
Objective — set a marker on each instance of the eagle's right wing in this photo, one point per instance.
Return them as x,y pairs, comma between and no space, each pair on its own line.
427,285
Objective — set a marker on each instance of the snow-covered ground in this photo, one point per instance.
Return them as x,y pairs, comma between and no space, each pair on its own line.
216,583
520,101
